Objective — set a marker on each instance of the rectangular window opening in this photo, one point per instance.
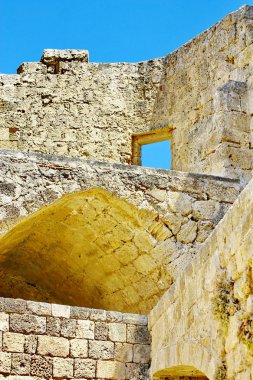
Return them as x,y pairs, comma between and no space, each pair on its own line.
153,149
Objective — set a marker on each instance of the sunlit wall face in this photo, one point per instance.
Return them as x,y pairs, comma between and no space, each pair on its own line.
157,155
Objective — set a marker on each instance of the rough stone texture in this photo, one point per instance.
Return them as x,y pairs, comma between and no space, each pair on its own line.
202,92
205,318
140,245
128,237
42,355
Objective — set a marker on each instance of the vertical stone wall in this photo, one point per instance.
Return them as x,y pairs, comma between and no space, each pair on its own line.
206,93
206,317
202,92
49,341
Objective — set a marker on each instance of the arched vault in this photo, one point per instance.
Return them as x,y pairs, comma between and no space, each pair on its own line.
89,248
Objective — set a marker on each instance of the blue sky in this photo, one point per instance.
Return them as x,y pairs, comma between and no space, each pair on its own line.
112,30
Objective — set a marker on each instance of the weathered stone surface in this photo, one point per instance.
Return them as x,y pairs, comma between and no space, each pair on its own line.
124,352
13,342
27,323
85,329
117,332
53,346
63,367
109,370
84,368
4,322
41,366
20,364
79,348
206,314
137,334
99,349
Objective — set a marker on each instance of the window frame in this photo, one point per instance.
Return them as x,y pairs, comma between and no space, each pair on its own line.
150,137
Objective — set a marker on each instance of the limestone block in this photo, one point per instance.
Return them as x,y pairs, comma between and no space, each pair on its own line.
85,329
135,319
79,348
31,344
117,332
41,366
4,322
63,367
188,232
173,221
111,370
160,195
98,315
114,316
68,328
27,323
5,362
137,334
53,326
39,308
101,331
205,209
20,364
99,349
60,311
123,352
79,312
84,368
137,371
142,353
13,342
51,56
204,230
53,346
180,202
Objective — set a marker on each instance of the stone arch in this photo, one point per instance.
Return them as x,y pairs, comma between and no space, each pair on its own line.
89,248
183,360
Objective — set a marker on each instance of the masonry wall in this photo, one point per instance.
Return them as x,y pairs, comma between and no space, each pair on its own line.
205,319
49,341
87,110
202,91
121,235
207,97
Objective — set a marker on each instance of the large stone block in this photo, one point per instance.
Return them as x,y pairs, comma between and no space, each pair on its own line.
101,349
117,332
13,342
27,324
84,368
53,346
111,370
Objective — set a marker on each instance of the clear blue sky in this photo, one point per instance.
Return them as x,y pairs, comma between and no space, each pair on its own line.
112,30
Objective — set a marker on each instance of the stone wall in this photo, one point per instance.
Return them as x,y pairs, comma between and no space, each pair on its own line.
207,97
88,110
120,243
201,92
205,319
49,341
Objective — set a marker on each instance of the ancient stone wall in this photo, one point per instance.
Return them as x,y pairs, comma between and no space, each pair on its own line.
120,246
201,93
206,95
49,341
205,319
82,109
